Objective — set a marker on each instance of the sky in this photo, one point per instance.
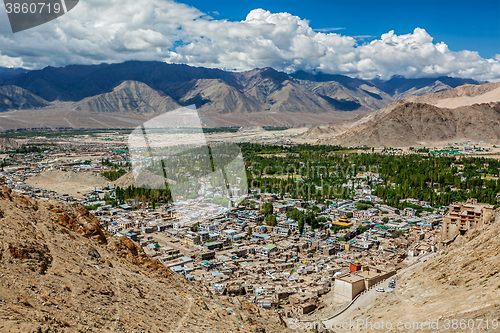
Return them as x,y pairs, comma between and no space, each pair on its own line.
362,39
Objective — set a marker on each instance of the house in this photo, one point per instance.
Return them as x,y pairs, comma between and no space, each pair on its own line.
464,216
347,286
230,233
205,256
410,212
282,208
204,236
302,309
268,250
191,237
282,231
213,245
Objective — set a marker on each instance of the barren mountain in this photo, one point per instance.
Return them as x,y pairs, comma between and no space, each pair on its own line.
360,129
348,98
400,87
129,96
217,96
62,272
263,97
12,97
293,97
414,124
325,131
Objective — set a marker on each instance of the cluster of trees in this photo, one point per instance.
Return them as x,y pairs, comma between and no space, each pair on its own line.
26,149
321,173
145,195
108,163
267,210
114,175
308,217
364,204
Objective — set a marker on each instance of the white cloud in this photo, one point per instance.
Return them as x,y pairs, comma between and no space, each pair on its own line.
118,30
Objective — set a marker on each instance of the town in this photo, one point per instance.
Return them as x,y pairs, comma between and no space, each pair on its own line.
284,248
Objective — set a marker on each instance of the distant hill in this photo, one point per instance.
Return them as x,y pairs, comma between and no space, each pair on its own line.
399,86
415,124
12,97
9,73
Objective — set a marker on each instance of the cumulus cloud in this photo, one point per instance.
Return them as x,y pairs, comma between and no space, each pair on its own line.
119,30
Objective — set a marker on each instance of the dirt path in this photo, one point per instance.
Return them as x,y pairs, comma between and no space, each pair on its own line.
182,321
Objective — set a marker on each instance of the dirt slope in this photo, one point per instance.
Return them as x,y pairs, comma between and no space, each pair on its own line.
8,144
73,183
61,272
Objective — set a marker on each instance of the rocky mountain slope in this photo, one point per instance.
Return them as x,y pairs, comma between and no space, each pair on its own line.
219,95
419,124
61,272
468,112
12,97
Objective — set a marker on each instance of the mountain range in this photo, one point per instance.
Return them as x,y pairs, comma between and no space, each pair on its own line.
135,91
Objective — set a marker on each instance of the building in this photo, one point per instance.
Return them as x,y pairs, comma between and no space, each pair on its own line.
191,237
268,250
282,208
204,256
347,286
462,217
281,231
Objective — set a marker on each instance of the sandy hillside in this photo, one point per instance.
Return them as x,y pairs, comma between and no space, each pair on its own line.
8,144
145,179
73,183
456,102
61,272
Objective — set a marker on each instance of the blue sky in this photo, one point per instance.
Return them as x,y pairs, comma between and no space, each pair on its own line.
469,25
364,39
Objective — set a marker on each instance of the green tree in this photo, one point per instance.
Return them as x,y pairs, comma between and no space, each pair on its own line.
301,225
271,220
267,208
362,229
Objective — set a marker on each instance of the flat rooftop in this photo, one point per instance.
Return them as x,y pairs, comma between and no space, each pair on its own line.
351,278
367,274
